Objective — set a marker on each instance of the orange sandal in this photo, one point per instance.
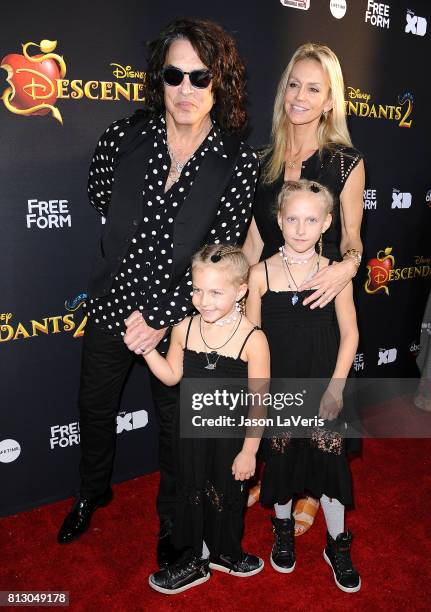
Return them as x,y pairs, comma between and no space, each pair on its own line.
253,495
304,513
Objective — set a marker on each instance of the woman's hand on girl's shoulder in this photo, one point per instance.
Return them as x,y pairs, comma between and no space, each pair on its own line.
328,283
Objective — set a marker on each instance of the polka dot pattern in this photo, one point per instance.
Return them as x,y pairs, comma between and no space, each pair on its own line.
143,280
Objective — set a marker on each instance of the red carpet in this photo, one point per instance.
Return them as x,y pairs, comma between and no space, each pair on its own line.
108,568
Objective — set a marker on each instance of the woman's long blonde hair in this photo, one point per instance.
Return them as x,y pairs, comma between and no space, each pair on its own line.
332,127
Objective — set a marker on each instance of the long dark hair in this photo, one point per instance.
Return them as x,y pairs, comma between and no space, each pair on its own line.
217,50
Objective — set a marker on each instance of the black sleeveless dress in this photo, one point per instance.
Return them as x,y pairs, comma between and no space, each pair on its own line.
331,168
303,344
210,502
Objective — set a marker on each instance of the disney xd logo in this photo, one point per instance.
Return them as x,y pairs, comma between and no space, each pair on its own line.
415,25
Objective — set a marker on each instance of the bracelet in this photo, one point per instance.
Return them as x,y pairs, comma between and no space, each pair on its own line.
354,255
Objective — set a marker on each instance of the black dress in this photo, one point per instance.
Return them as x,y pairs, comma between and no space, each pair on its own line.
331,168
210,502
304,344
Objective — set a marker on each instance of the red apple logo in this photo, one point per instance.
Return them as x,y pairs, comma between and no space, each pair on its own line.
378,271
33,80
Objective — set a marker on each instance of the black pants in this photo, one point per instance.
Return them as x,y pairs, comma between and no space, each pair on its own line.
106,361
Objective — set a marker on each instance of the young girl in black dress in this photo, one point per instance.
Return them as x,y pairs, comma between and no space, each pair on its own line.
306,343
219,342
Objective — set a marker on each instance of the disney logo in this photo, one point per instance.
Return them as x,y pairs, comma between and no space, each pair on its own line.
124,72
355,94
420,259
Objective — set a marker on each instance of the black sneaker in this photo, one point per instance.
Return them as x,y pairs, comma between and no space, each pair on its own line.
246,565
337,555
183,575
283,551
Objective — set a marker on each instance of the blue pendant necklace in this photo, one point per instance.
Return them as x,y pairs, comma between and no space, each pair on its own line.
294,299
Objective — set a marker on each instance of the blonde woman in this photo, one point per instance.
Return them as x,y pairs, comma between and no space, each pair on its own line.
310,140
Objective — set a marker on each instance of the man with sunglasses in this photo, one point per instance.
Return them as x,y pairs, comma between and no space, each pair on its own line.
169,179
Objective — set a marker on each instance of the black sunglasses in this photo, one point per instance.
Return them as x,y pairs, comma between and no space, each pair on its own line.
198,78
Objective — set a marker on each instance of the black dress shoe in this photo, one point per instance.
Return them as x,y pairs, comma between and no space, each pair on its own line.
78,519
167,554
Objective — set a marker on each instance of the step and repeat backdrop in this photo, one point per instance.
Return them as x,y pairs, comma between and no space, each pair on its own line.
51,116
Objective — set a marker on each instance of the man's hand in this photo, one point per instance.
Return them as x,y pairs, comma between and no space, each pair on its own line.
140,337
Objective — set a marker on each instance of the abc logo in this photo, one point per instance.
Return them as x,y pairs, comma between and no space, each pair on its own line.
428,197
414,348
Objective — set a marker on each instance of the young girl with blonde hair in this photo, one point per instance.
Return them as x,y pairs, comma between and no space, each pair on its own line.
219,342
307,344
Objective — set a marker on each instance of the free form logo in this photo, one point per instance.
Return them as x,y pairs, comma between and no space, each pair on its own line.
370,199
64,435
358,362
377,14
48,214
10,450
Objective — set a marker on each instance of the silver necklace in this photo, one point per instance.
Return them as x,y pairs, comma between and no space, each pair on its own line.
211,365
294,297
178,165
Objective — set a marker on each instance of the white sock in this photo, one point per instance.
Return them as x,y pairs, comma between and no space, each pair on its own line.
334,515
283,511
205,551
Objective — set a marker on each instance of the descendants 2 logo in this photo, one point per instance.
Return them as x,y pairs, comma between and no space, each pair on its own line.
38,81
382,271
359,105
9,330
